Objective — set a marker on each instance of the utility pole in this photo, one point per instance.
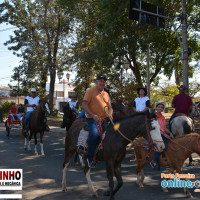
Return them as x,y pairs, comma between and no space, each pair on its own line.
184,45
148,72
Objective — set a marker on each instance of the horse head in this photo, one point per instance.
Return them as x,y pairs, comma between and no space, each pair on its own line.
154,135
69,114
45,105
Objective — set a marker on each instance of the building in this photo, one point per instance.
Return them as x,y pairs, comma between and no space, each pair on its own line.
62,91
5,96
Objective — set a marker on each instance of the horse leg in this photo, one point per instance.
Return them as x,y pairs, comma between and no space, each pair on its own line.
190,160
117,172
41,143
186,190
171,170
110,170
25,141
76,159
140,174
81,161
29,141
35,137
89,181
68,156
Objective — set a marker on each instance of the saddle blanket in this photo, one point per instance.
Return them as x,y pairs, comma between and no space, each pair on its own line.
83,137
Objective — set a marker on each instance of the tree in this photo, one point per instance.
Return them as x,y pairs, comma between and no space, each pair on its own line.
41,28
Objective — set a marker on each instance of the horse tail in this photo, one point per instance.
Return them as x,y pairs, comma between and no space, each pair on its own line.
186,127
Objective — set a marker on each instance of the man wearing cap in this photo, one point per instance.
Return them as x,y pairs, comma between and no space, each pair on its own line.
94,103
182,103
31,102
74,105
141,103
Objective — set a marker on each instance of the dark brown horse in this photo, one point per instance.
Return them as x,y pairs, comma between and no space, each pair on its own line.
114,146
69,116
37,124
178,150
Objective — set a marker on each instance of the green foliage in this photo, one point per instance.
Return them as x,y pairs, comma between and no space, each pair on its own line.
4,109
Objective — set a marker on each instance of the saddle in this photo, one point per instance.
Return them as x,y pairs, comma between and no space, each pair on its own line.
181,114
82,143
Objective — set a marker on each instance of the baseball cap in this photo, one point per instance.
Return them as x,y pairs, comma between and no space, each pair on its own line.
33,90
101,76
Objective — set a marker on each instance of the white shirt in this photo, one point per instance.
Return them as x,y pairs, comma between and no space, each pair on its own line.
141,103
72,104
31,101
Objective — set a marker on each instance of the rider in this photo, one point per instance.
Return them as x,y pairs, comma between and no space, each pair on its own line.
141,103
13,112
182,103
74,105
31,102
95,102
20,110
165,133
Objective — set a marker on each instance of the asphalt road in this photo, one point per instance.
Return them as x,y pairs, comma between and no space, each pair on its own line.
42,176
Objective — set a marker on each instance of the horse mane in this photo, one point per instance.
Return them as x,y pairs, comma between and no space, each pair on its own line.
131,116
188,135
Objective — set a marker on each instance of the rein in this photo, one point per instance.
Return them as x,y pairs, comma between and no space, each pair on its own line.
183,146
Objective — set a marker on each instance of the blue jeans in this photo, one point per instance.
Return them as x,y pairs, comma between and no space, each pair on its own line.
157,154
82,114
174,115
93,138
27,117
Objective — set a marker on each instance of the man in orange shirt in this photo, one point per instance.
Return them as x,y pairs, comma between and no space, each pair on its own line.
94,102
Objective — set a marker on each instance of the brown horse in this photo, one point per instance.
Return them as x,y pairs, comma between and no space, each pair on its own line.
178,150
37,124
114,146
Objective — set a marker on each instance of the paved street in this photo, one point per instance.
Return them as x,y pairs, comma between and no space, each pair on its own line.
43,175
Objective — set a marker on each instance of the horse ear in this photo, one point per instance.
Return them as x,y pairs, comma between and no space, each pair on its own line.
151,113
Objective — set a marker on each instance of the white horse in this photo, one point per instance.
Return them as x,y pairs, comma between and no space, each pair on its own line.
182,125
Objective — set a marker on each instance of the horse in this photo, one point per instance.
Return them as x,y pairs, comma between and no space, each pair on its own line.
178,150
195,109
114,146
37,124
181,125
69,116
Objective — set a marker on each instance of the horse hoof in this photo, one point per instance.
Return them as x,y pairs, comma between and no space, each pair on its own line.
36,153
64,189
106,193
141,185
95,195
76,164
25,148
43,155
189,195
165,190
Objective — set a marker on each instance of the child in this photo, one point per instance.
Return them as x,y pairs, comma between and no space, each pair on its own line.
165,133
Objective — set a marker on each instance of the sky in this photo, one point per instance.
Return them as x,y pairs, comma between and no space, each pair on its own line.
8,61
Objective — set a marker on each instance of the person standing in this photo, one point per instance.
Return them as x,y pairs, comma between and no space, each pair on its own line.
95,103
141,103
